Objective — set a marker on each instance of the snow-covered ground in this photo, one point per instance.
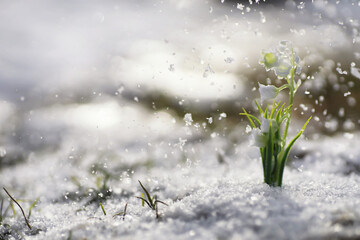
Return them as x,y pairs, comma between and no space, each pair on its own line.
95,96
211,195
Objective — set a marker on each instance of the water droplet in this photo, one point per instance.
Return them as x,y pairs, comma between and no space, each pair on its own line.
2,152
222,115
188,119
262,17
240,6
228,60
341,112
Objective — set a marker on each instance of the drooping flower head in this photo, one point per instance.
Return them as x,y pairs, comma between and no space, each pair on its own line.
257,138
280,59
267,92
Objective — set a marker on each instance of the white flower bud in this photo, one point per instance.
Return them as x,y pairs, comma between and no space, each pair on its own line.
257,138
267,92
280,59
265,125
283,69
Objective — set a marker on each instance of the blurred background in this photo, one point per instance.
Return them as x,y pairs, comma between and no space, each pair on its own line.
136,76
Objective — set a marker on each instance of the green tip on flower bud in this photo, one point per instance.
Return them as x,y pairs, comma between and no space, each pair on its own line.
270,60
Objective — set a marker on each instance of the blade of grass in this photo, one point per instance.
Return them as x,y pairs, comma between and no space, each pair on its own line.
162,202
266,113
278,114
143,202
249,118
125,208
27,222
146,202
259,108
102,208
269,153
286,153
1,210
13,208
32,206
146,192
273,108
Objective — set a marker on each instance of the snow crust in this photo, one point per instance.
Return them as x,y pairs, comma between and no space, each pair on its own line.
207,200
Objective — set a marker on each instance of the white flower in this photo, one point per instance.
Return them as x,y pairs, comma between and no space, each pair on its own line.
280,59
282,70
257,138
265,125
267,92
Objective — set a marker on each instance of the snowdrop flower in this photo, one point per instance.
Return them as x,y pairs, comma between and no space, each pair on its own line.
257,138
282,70
280,60
267,92
265,125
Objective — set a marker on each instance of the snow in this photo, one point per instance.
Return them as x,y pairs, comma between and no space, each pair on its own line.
85,97
208,200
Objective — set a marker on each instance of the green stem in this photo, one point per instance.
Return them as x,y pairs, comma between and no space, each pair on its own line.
288,118
291,99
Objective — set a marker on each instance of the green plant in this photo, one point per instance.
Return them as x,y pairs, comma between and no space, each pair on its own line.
123,213
269,134
3,212
152,202
33,204
102,208
22,211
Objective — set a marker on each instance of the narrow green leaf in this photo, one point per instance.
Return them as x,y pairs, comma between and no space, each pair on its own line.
143,199
249,116
118,214
142,202
22,210
1,210
13,208
158,201
278,114
266,112
102,208
269,153
32,206
146,192
287,151
273,110
259,108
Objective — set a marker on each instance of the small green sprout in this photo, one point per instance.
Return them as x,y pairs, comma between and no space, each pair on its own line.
123,213
152,202
102,208
3,212
22,211
32,206
267,131
69,235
